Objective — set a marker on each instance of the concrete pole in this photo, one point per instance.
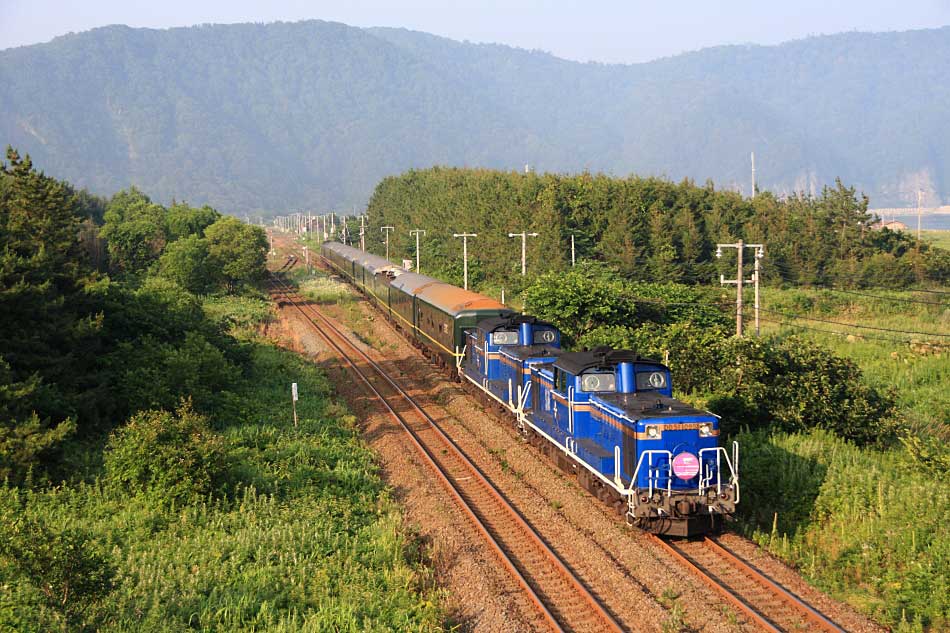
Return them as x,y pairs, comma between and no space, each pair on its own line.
572,250
362,235
387,229
524,239
755,277
465,237
416,232
739,279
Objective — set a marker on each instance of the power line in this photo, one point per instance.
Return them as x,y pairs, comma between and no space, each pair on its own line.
836,333
883,298
866,327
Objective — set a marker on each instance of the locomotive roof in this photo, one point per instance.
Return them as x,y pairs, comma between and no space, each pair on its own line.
576,362
648,404
494,323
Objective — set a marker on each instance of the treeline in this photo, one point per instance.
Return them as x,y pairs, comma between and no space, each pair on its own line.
647,228
98,323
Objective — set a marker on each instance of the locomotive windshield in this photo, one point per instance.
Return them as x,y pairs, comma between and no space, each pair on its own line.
504,337
599,381
543,336
649,380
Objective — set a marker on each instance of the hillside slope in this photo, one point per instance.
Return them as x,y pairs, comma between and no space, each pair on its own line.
265,118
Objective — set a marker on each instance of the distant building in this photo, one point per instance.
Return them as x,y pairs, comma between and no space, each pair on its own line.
893,225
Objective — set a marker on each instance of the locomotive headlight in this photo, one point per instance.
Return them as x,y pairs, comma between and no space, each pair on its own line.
653,431
705,429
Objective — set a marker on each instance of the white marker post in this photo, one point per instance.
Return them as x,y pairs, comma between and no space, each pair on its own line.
293,393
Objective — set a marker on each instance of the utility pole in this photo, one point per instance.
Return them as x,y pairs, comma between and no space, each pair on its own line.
416,232
464,237
753,175
572,250
740,247
919,191
524,239
306,255
362,235
387,229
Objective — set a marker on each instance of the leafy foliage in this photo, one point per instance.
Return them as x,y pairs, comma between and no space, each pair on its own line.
185,261
64,566
647,229
236,251
174,458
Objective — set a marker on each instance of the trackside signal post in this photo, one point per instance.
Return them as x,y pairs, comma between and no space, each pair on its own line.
740,247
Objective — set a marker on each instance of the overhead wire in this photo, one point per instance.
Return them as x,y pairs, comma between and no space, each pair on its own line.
853,325
835,332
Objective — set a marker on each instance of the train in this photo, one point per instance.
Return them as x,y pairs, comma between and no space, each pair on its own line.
607,416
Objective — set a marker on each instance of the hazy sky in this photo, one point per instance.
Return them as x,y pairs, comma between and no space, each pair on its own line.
605,30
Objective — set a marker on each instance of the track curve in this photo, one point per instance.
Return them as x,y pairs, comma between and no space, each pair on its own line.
562,600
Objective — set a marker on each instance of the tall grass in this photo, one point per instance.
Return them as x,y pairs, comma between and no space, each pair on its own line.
917,367
306,539
869,527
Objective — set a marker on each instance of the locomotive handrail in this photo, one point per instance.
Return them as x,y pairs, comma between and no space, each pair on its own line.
570,408
636,471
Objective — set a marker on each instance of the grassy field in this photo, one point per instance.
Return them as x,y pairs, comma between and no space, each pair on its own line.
868,526
916,366
303,536
937,238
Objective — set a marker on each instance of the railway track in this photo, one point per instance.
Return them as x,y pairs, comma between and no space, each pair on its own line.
561,600
769,605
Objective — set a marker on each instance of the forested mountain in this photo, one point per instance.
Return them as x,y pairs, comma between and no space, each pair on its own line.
267,118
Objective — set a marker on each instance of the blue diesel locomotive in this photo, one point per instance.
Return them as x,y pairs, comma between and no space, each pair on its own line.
608,416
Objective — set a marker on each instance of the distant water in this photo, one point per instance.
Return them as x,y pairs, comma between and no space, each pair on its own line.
933,222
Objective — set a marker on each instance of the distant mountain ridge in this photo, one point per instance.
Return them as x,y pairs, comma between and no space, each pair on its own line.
256,118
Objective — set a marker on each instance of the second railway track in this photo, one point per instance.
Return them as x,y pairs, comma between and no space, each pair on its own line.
769,605
561,599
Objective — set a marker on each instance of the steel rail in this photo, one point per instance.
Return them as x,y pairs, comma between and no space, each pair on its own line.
596,607
709,580
789,599
787,596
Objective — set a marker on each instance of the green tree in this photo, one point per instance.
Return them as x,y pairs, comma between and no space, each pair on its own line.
184,220
136,230
43,320
236,251
64,565
185,261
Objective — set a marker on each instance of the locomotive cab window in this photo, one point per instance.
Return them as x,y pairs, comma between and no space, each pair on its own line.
504,337
651,380
560,378
599,381
543,336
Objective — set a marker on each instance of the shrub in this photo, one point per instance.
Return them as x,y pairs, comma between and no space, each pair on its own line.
65,567
174,458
